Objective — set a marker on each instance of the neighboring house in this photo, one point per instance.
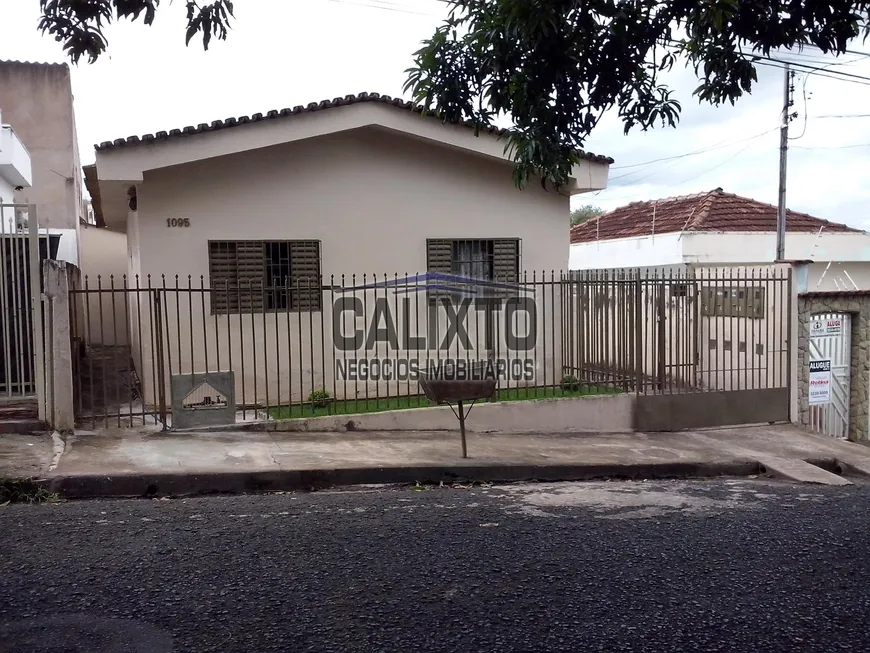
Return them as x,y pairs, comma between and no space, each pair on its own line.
262,210
37,101
720,229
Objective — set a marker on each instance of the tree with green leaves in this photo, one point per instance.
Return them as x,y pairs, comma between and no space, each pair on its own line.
79,24
585,212
552,68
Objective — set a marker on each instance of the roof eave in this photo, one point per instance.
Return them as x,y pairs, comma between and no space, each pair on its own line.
127,160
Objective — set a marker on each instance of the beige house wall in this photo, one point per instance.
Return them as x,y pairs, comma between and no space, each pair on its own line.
371,197
104,265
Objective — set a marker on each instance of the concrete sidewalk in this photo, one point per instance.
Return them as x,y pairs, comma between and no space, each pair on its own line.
130,463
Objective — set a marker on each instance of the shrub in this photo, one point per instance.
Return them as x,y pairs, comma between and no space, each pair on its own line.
570,383
319,398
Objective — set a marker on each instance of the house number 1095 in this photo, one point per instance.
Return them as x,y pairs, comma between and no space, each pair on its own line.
177,222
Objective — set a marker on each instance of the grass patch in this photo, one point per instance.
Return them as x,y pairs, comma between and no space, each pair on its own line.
382,404
24,490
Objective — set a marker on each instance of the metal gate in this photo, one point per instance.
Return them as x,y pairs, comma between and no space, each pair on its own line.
21,330
830,340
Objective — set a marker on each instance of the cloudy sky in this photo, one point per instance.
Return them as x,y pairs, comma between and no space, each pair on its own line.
282,53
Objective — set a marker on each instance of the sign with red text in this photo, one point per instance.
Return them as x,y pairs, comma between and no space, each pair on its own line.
825,328
820,382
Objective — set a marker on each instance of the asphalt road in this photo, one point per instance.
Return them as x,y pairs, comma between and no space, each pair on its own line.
747,565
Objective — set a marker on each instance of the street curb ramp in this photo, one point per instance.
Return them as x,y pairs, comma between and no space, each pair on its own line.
190,484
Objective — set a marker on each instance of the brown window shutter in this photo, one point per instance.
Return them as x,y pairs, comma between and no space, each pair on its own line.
305,281
223,276
252,270
506,260
439,258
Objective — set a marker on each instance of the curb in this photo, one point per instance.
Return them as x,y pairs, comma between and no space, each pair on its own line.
23,427
190,484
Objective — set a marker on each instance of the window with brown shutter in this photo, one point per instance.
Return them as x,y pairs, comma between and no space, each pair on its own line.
488,259
252,276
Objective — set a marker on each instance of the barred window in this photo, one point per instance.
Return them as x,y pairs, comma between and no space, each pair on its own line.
253,276
490,259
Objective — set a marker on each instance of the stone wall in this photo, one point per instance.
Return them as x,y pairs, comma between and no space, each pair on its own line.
857,304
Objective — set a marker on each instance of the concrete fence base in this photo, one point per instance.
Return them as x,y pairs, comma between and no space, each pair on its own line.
599,414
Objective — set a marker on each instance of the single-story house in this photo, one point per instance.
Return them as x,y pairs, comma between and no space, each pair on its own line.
254,225
722,247
720,229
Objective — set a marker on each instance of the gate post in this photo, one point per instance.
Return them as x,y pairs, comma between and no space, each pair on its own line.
60,407
798,275
38,333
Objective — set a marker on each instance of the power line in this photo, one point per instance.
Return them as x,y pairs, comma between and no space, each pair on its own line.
773,62
844,115
719,145
385,6
863,81
831,147
676,157
804,92
857,52
806,107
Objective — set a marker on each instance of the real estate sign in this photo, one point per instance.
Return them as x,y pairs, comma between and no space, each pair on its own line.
825,328
820,382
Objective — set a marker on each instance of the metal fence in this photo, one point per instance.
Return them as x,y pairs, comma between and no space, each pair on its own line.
21,315
699,329
345,345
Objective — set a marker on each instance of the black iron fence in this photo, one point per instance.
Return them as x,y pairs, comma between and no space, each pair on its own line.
346,345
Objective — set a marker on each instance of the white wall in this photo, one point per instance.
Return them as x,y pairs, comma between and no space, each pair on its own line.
847,253
838,276
68,247
15,163
755,248
645,251
6,190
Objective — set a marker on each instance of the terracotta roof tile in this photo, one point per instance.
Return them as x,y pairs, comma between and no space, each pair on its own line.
283,113
715,211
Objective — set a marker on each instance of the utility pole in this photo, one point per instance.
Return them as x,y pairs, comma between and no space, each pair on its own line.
783,158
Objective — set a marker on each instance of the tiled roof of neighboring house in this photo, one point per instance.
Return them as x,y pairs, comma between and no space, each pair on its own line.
715,211
283,113
15,62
